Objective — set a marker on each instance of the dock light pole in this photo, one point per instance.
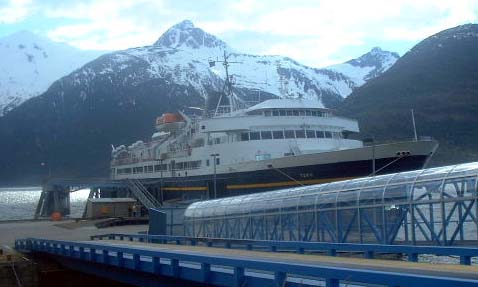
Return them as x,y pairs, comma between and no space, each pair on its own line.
160,180
371,140
214,156
45,165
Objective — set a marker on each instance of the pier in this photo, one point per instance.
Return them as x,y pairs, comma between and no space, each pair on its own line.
237,264
55,196
376,231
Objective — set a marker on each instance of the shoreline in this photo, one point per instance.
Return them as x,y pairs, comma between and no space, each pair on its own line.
37,220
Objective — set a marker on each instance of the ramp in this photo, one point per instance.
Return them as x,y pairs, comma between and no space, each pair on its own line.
141,193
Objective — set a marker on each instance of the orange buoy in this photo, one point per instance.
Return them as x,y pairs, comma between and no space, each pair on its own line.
56,216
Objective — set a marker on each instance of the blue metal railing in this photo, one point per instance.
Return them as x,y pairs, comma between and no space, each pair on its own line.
227,270
368,250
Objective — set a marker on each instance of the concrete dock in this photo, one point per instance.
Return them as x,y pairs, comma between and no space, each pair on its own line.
18,269
59,230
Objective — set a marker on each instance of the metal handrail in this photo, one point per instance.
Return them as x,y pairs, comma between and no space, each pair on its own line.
368,250
143,195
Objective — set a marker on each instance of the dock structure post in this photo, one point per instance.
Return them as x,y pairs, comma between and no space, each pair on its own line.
369,254
106,256
175,268
238,277
54,198
465,260
332,282
136,261
81,252
413,257
93,254
120,257
156,265
279,279
41,203
205,269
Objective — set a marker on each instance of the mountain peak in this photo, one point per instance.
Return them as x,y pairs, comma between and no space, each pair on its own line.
23,36
185,25
185,34
376,50
368,66
376,57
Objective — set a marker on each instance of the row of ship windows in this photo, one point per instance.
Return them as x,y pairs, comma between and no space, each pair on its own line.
186,165
295,113
288,134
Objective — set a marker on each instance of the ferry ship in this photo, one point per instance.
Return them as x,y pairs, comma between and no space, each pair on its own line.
273,144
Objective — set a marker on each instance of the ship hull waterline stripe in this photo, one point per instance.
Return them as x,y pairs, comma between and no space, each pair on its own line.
286,183
186,188
260,185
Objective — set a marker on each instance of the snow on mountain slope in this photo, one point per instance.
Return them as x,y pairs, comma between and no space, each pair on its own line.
178,62
367,66
285,77
30,63
182,54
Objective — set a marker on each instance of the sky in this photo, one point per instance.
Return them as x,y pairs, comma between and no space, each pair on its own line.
316,32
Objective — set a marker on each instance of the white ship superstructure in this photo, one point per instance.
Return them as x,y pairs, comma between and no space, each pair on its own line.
270,130
272,144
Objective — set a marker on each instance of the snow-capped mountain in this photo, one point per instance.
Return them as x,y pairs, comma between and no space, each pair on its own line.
116,98
438,78
30,64
182,54
367,66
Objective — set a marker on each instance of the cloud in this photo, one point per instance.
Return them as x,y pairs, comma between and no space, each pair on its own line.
316,52
315,32
108,25
425,18
15,11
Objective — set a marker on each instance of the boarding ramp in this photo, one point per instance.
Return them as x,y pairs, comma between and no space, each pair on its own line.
435,206
142,193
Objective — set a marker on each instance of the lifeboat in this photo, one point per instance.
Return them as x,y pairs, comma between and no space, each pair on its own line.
170,122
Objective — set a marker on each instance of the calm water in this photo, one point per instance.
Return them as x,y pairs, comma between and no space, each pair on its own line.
21,202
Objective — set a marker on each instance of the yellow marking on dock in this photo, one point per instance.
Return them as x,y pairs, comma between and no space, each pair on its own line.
452,270
186,188
285,183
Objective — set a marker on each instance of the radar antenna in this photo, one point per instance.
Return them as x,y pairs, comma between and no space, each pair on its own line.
284,85
227,89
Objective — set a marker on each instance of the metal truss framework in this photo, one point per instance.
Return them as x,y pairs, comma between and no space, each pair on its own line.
430,206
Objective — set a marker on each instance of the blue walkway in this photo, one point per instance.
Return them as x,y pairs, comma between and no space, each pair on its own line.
227,267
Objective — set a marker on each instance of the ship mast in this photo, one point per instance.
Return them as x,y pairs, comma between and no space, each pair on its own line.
227,89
